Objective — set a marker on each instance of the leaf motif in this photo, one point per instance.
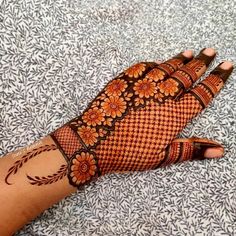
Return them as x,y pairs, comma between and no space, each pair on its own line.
36,180
19,163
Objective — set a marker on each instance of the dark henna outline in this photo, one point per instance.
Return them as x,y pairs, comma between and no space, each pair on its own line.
18,164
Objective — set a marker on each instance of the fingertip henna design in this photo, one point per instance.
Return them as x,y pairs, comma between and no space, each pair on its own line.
187,149
177,152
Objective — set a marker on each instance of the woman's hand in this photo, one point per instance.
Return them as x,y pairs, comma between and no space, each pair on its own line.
133,124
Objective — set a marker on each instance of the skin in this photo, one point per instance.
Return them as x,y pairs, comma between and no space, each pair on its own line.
22,202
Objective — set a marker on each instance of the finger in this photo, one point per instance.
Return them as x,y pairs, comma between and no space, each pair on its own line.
191,149
205,91
165,69
182,79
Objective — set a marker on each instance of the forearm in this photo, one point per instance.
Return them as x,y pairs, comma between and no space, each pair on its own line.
22,196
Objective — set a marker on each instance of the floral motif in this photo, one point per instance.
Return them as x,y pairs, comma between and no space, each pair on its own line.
138,101
156,74
93,117
83,168
116,87
103,96
114,106
96,103
108,122
168,87
128,96
145,88
135,70
76,123
102,132
159,97
88,135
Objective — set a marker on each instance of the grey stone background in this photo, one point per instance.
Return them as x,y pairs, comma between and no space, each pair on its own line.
56,55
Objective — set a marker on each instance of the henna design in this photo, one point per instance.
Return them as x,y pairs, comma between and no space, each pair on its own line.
206,90
131,90
83,167
131,107
177,152
50,179
35,152
181,150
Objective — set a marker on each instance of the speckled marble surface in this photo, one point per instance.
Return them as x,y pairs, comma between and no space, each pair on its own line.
56,55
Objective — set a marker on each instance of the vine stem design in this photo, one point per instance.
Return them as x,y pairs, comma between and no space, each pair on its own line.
18,164
36,180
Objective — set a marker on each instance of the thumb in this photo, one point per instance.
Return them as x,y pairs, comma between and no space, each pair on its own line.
191,149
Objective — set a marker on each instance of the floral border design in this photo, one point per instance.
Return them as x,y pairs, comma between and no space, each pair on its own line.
132,89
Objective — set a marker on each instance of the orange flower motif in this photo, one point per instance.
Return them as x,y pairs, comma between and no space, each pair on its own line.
116,87
93,117
144,88
114,106
168,87
102,96
135,70
88,135
156,75
83,168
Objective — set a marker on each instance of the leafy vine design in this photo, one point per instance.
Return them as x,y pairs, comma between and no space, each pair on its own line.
50,179
19,163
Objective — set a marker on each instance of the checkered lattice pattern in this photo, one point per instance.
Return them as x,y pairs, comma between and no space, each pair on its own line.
67,140
140,139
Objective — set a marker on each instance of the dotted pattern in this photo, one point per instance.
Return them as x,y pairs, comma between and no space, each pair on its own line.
140,139
187,151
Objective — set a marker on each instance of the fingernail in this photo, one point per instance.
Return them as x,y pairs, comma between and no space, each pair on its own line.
205,148
188,53
206,55
216,152
158,61
223,70
185,56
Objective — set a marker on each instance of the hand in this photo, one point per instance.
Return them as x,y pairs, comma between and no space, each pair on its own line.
132,125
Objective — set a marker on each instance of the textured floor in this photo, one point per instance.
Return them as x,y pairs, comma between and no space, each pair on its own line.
56,55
